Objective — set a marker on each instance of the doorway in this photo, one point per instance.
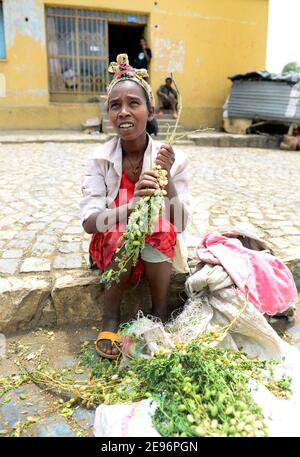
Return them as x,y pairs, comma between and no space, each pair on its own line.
124,39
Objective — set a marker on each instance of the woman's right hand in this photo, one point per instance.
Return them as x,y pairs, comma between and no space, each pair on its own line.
146,185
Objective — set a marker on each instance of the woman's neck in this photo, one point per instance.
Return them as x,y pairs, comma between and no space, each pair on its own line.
136,146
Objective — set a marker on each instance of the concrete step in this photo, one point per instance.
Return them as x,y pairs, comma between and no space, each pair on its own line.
162,137
163,131
57,136
227,140
158,119
166,127
163,127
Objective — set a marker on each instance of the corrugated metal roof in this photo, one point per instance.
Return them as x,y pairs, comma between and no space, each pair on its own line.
292,76
265,100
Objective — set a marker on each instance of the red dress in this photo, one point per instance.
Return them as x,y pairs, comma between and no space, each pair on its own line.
104,244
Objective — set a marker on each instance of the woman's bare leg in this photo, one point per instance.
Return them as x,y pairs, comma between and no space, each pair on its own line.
158,276
112,304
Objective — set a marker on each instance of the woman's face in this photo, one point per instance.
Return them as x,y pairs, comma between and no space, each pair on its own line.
127,110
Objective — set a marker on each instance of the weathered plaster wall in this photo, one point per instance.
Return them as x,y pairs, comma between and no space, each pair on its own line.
25,70
201,41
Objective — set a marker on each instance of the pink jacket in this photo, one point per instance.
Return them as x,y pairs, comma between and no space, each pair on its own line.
270,284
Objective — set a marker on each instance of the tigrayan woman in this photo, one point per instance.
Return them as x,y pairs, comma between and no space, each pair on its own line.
119,173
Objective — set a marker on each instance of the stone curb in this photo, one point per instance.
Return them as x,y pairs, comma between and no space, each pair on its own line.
74,297
218,139
226,140
25,140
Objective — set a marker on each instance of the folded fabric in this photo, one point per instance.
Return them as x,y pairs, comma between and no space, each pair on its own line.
213,277
266,281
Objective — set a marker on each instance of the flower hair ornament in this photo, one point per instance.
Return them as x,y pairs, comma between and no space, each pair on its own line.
123,71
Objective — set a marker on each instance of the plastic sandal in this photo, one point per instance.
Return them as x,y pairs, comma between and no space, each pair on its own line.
114,338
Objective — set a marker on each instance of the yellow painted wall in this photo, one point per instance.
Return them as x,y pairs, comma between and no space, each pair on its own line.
200,41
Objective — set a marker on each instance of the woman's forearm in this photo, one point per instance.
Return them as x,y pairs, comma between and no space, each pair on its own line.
101,222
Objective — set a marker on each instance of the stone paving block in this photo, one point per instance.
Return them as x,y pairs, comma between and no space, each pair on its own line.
53,426
291,231
84,418
36,226
19,390
12,254
297,274
20,301
65,218
43,217
17,409
276,217
73,230
41,248
69,248
10,413
9,220
6,234
35,264
46,238
58,225
275,232
280,243
294,239
66,362
68,261
70,238
49,231
2,426
26,235
8,266
18,244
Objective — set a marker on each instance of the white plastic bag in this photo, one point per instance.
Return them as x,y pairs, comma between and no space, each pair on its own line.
121,420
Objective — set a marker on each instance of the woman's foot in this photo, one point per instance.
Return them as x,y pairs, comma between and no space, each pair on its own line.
110,324
161,113
162,312
174,115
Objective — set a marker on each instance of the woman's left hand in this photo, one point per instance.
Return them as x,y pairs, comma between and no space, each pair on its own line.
165,157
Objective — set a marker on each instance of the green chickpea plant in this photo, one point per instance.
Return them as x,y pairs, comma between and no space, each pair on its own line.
199,390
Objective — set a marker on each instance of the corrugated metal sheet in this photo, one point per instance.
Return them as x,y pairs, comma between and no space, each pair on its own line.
265,100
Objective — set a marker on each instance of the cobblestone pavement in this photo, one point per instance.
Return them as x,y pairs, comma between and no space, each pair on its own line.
260,187
40,228
40,232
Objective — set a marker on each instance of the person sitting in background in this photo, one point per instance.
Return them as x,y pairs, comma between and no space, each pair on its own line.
69,78
144,55
167,97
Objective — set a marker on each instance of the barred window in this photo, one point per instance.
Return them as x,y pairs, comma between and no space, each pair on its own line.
78,48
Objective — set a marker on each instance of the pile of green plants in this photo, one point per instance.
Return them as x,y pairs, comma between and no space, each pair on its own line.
199,390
